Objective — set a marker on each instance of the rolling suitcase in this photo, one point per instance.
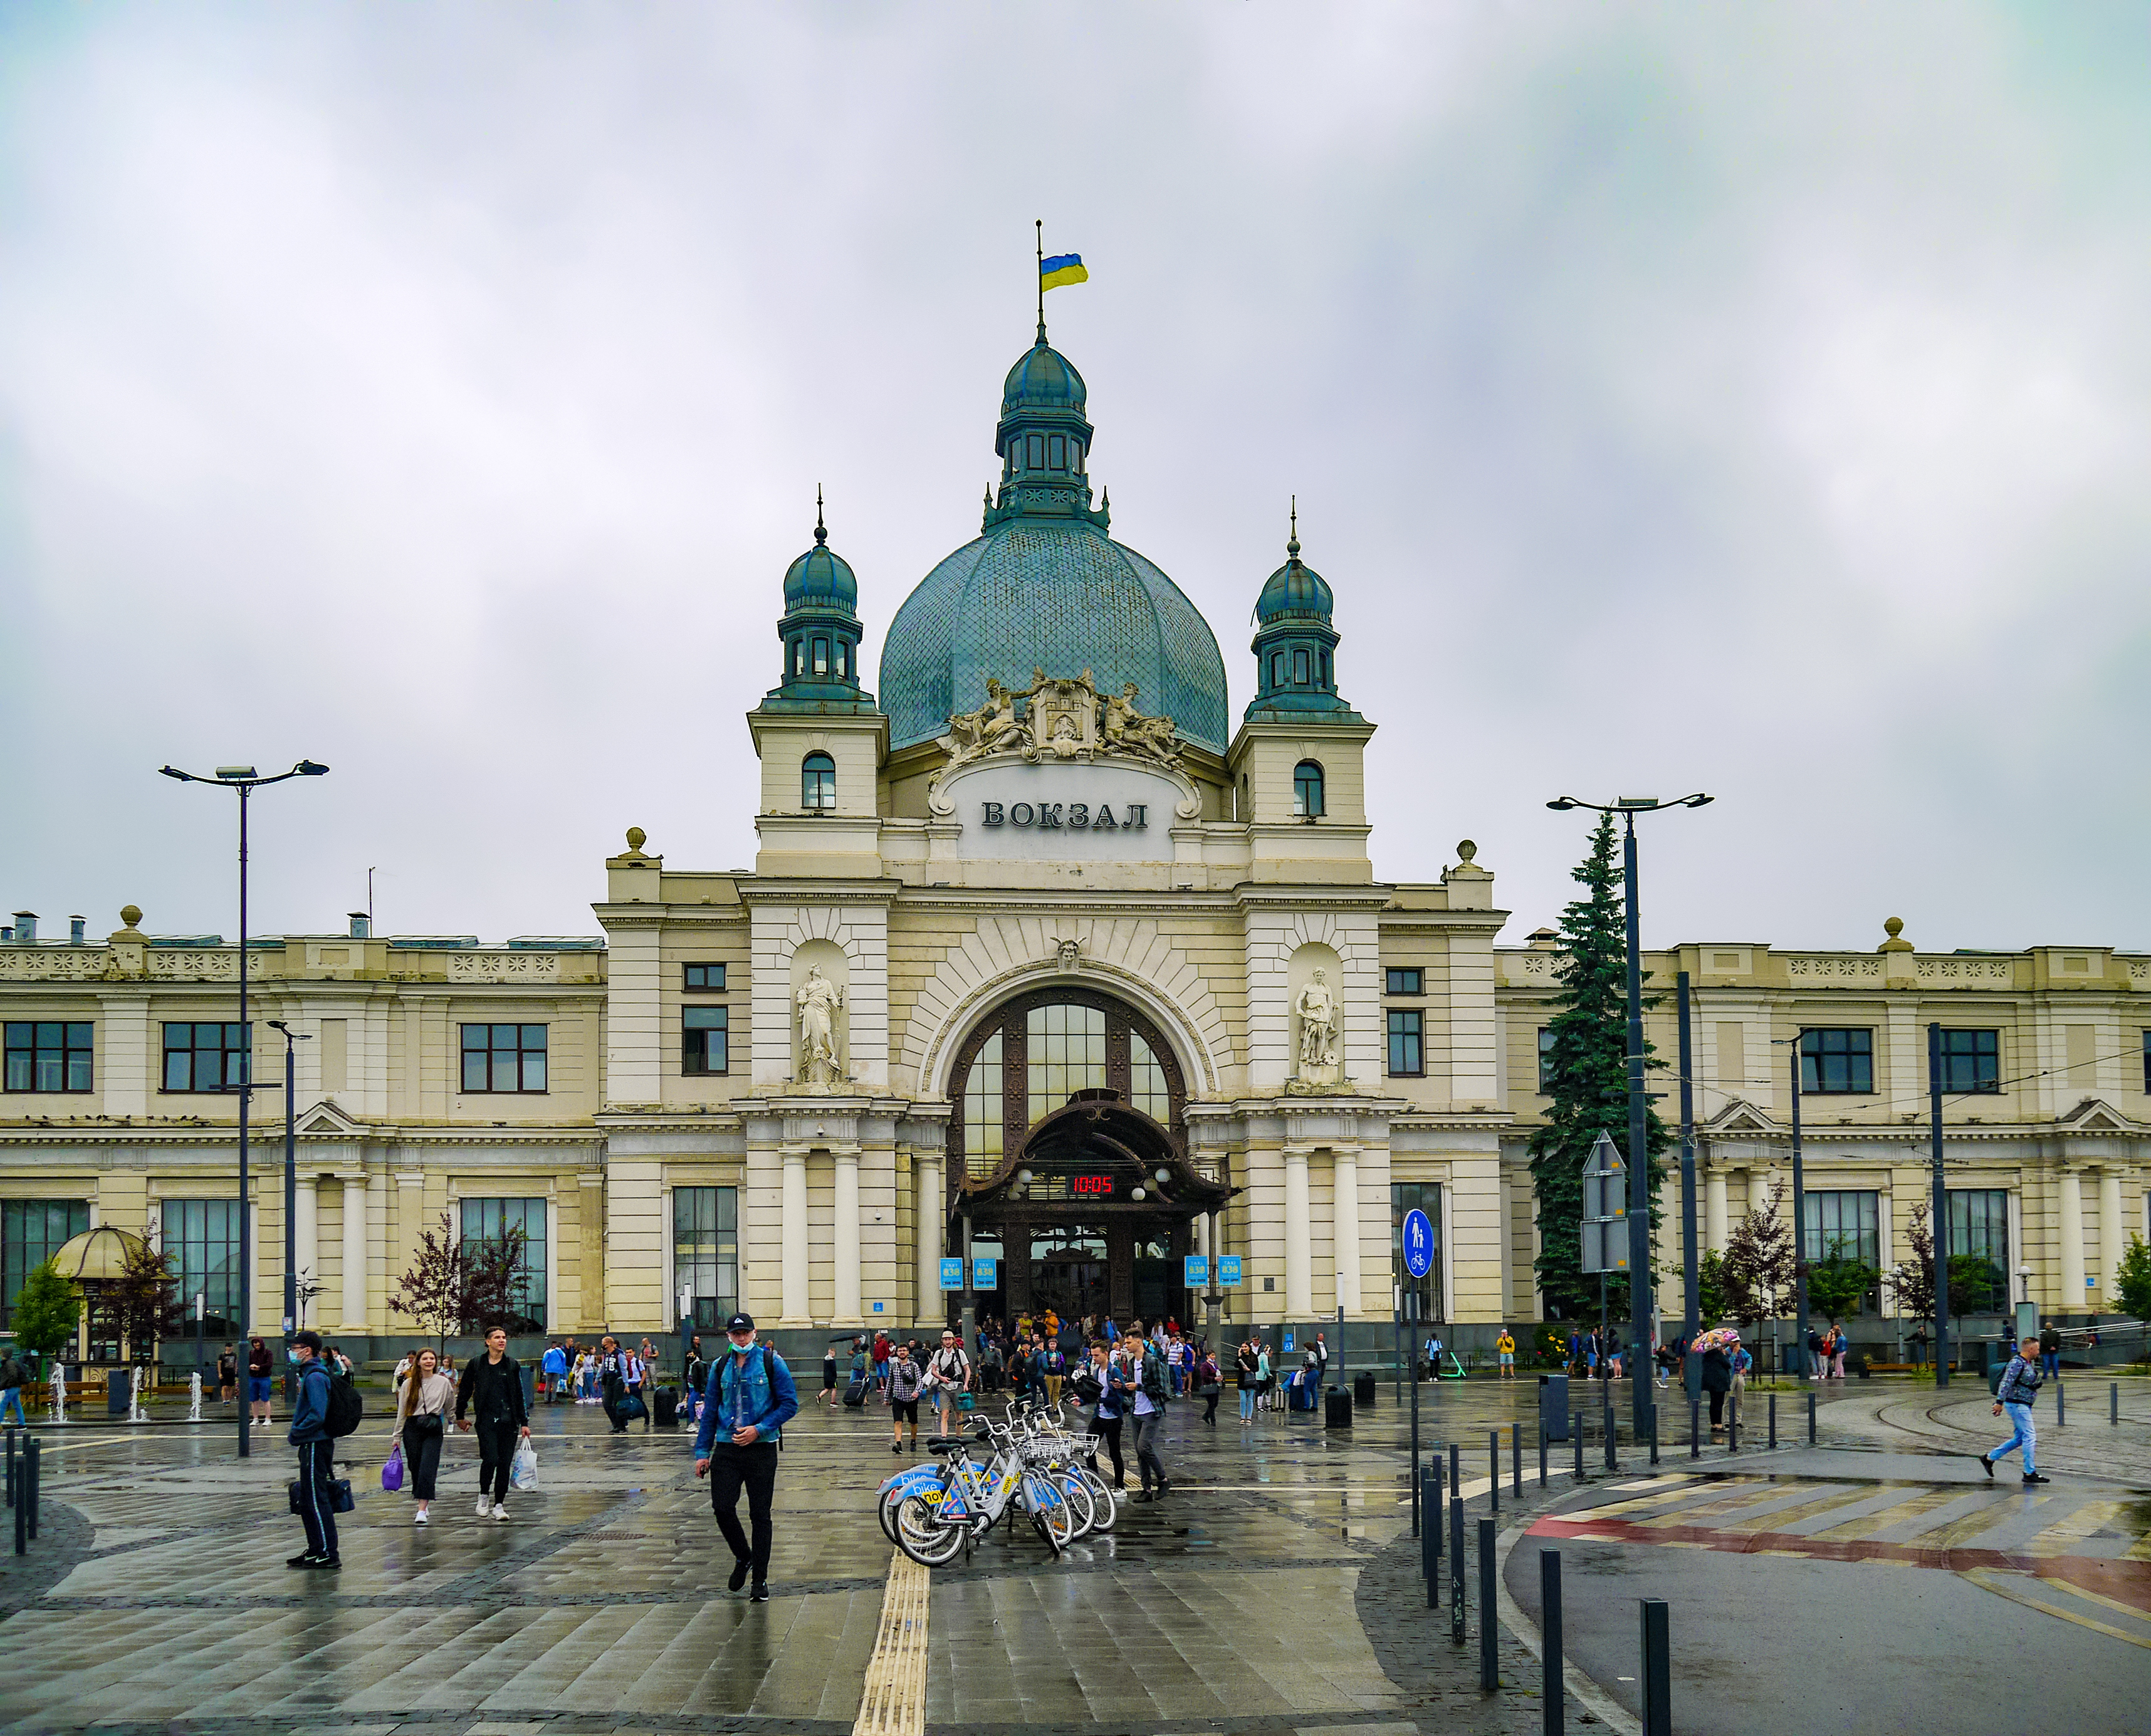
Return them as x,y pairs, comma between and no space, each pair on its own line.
855,1394
668,1409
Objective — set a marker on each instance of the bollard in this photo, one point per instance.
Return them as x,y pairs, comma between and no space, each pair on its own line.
1456,1571
2060,1404
2113,1403
1542,1455
1516,1461
1430,1542
1494,1471
30,1483
1576,1434
1733,1428
1657,1695
1654,1435
1774,1422
1490,1630
11,1465
1695,1428
1455,1472
1811,1438
1613,1429
22,1527
1550,1688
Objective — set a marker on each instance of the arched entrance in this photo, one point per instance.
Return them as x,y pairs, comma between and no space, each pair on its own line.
1067,1149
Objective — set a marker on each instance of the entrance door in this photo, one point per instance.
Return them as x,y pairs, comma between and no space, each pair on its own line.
1068,1270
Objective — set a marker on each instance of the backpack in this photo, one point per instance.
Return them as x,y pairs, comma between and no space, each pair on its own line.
1153,1377
346,1409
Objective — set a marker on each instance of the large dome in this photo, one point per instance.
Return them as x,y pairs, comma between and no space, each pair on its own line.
1056,594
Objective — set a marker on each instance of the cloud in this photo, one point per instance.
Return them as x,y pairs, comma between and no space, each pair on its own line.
1746,403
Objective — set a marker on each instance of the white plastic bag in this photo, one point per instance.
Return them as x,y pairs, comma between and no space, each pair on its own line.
523,1468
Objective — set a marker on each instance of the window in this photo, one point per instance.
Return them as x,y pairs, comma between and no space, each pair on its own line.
49,1055
202,1238
1325,669
982,1111
1277,669
705,1254
1307,789
1300,670
1148,1087
1842,1226
817,784
1066,1045
1421,1296
1058,447
2147,1061
1971,1061
1406,982
705,979
799,656
205,1057
490,1221
1034,451
704,1037
1838,1062
844,660
31,1232
820,656
1978,1250
1545,1059
1407,1056
503,1057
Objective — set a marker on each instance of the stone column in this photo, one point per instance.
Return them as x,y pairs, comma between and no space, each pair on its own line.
1714,1230
926,1219
846,1213
1298,1250
307,1259
1346,1210
2068,1208
795,1237
354,1254
2113,1236
1759,1190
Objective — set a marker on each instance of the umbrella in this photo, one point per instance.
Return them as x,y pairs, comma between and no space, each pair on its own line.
1718,1337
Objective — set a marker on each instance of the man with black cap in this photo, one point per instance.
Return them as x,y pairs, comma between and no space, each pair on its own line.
748,1400
310,1435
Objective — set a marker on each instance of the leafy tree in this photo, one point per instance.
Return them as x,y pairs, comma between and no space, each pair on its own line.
462,1287
1710,1288
1587,1079
1757,1272
1838,1283
2132,1279
1976,1285
143,1302
47,1311
1913,1280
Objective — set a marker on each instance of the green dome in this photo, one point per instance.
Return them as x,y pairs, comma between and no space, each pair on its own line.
1043,379
1294,590
819,580
1056,594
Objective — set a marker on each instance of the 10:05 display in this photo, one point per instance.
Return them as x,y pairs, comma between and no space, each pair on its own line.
1092,1185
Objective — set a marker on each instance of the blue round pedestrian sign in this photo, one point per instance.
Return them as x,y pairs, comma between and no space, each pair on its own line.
1418,1243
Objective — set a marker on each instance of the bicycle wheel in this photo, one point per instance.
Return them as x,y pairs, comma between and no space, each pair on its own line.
1049,1512
1105,1510
1082,1505
924,1535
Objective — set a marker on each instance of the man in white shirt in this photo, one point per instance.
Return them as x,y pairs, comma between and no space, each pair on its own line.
948,1374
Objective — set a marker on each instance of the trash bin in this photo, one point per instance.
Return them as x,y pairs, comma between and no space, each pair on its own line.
529,1389
1363,1391
118,1392
1337,1408
1553,1405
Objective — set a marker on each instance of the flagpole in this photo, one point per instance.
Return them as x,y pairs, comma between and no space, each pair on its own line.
1041,279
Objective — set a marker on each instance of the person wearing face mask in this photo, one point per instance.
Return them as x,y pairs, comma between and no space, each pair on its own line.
748,1400
310,1435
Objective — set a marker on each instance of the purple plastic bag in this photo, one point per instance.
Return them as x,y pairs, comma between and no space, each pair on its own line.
392,1473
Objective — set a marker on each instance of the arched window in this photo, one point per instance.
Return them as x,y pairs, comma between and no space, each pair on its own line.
817,784
1307,789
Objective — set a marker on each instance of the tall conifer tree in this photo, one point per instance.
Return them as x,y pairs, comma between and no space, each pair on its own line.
1586,1079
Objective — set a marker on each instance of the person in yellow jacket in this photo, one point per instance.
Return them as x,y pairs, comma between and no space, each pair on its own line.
1505,1347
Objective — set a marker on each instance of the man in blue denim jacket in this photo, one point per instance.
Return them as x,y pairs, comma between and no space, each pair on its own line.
749,1400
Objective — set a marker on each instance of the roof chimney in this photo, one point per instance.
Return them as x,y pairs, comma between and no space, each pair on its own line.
361,925
26,925
75,925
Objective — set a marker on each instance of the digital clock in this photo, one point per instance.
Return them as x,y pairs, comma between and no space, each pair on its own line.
1091,1186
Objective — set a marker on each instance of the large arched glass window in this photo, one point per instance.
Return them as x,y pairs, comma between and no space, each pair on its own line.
1307,789
817,784
1031,1055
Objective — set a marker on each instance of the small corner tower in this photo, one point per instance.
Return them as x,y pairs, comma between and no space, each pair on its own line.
821,737
1296,762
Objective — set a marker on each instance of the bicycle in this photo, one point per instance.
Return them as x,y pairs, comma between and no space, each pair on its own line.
933,1523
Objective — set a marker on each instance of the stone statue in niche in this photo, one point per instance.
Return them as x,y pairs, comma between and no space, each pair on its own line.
1316,1009
819,1001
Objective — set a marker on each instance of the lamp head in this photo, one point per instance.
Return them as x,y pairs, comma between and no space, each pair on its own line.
1700,800
1636,802
310,768
235,774
174,772
1561,804
279,1024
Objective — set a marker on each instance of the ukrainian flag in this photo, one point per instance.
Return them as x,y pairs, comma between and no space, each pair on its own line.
1062,268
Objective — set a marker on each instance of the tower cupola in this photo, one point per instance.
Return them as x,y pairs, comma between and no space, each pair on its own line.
820,631
1044,440
1294,643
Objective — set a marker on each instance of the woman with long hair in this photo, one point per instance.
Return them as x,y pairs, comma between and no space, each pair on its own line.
421,1403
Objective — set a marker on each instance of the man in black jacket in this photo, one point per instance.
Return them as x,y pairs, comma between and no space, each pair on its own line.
495,1382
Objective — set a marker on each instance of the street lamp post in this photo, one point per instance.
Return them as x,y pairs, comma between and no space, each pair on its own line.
292,1038
245,780
1639,1192
1799,1228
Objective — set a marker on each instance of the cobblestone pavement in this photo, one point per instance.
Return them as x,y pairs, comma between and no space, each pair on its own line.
1276,1590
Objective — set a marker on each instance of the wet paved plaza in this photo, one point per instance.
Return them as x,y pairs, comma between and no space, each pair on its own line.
1275,1590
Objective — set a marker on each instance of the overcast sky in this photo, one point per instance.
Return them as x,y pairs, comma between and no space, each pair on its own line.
1746,399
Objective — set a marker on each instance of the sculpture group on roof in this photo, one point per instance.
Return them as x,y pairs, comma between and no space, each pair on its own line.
1059,718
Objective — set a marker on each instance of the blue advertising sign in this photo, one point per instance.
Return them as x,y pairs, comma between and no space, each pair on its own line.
951,1274
1228,1270
1418,1243
1194,1270
1288,1340
984,1274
